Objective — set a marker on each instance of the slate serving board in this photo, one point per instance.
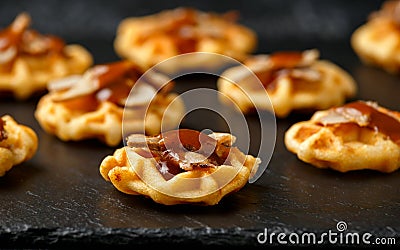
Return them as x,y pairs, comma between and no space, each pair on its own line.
59,200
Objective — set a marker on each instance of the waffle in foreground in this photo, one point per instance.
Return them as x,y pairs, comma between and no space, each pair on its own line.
377,42
293,81
180,167
18,143
95,105
29,60
358,135
151,39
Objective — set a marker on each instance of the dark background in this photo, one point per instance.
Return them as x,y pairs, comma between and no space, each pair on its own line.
58,199
280,24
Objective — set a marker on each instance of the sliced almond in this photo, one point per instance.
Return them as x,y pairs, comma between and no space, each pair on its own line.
306,74
103,95
156,79
193,157
223,138
142,94
344,115
87,84
309,56
332,118
354,115
183,164
137,140
63,83
141,140
81,88
7,55
21,22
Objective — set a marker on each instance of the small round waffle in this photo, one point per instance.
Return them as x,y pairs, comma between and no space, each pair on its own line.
78,108
358,135
293,81
145,167
18,143
377,42
151,39
31,60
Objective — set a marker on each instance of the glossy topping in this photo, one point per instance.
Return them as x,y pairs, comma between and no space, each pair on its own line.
181,30
110,82
291,64
390,9
180,150
3,134
365,114
18,39
286,59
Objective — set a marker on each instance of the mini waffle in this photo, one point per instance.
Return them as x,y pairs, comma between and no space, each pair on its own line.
18,143
151,39
29,60
377,42
357,135
92,105
293,81
179,167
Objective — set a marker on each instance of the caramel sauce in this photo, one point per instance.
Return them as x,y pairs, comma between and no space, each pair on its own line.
286,59
116,78
181,30
110,82
3,134
378,121
267,78
119,92
115,72
282,63
86,103
191,140
185,44
166,164
172,147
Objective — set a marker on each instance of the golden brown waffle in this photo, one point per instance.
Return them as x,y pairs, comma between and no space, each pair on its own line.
32,60
377,42
131,171
293,81
359,135
18,143
151,39
79,111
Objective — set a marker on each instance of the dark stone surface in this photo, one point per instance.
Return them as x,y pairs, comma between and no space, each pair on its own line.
59,200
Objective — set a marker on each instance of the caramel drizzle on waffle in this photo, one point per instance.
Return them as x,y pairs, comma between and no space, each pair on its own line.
17,39
111,82
180,150
292,64
185,26
367,114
